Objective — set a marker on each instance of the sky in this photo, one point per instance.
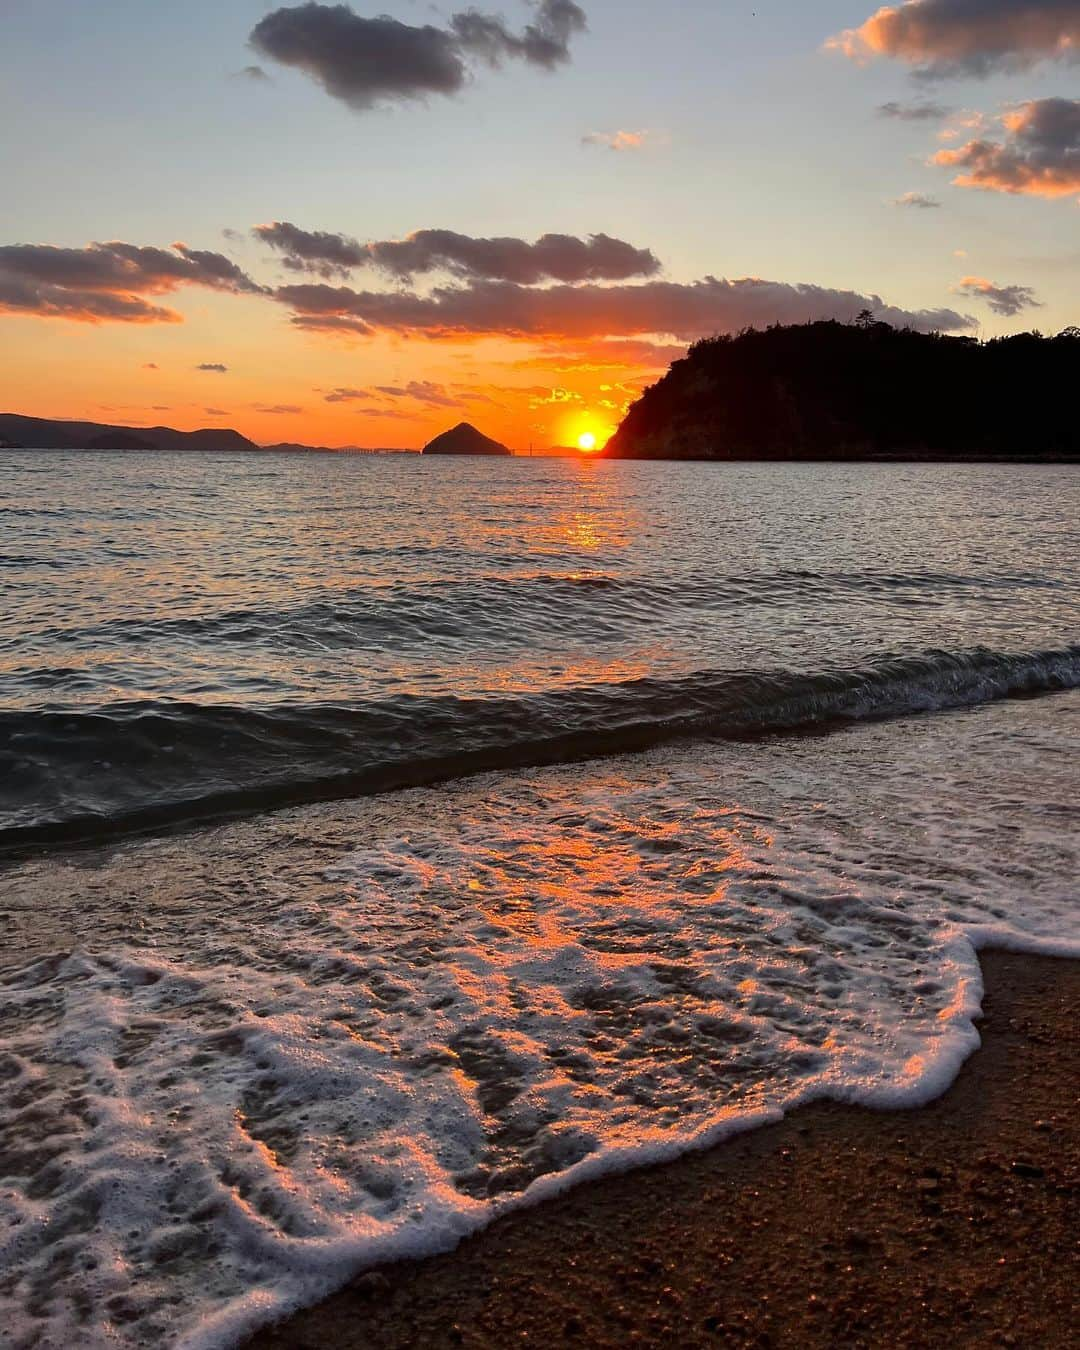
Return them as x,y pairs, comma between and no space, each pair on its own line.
359,224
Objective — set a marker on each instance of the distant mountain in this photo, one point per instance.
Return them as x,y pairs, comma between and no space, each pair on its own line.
297,448
45,433
860,391
118,440
464,439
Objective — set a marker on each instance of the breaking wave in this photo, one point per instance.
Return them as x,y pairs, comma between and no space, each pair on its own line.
82,773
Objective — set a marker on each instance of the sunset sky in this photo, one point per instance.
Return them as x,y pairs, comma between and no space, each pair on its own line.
515,215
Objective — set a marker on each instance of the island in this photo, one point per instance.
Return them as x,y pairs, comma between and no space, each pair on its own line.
47,433
860,391
464,439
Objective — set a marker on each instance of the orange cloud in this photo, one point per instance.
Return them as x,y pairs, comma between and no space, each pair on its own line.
616,140
957,37
107,282
1039,156
1007,300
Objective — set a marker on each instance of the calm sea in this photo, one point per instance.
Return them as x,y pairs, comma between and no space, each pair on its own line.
720,776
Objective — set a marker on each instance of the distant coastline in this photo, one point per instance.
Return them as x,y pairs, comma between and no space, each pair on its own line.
822,392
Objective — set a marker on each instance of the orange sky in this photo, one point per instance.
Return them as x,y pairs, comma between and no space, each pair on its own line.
286,385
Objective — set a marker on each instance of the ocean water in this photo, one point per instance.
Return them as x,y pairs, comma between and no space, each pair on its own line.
242,1061
187,636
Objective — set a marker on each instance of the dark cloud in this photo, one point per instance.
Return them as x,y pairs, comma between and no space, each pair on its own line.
332,323
150,365
1007,300
215,367
553,257
942,38
918,200
423,391
216,412
108,282
255,73
366,61
280,409
315,251
685,311
347,395
1039,156
543,43
913,112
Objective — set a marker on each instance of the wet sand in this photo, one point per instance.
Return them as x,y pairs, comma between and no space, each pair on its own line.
952,1225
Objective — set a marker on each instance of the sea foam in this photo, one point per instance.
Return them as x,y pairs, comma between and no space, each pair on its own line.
362,1032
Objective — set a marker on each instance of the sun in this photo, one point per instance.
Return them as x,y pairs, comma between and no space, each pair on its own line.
587,442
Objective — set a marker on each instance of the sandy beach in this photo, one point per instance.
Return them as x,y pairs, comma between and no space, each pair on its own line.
950,1225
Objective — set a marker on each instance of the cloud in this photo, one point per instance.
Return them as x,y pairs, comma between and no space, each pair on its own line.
553,257
216,412
913,112
544,43
557,397
315,251
685,311
332,323
367,61
215,367
1007,300
919,200
255,73
605,354
423,391
347,395
941,38
281,409
1038,157
109,282
151,365
616,140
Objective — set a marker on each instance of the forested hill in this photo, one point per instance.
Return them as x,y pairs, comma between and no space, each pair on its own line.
857,391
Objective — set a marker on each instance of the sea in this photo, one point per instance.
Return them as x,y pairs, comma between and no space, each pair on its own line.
387,842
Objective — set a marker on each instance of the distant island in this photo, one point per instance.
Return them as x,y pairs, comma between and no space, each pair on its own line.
464,439
856,391
45,433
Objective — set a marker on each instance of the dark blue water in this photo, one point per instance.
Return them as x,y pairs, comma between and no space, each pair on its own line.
191,635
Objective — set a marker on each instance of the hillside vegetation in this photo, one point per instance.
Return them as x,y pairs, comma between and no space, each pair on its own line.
856,391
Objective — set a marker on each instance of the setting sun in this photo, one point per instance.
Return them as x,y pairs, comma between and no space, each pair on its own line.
587,442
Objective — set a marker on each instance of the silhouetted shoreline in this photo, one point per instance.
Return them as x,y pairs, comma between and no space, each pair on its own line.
860,392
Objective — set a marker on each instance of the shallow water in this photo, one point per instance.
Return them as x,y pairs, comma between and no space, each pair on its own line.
188,635
296,1045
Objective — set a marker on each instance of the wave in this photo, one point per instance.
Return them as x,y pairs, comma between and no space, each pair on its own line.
509,611
78,775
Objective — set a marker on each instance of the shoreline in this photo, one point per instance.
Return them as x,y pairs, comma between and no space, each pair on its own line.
951,1223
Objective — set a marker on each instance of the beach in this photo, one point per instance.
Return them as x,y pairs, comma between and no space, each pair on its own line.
954,1224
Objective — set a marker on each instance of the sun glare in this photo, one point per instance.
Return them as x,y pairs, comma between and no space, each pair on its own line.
587,442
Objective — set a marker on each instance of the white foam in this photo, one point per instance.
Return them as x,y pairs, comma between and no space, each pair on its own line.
541,978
